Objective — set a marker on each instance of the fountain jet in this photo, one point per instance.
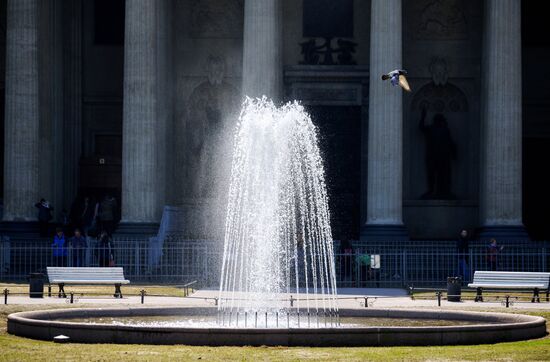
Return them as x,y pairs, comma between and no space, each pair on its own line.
278,243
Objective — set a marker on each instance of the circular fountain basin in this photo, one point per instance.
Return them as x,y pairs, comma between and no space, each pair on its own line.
459,327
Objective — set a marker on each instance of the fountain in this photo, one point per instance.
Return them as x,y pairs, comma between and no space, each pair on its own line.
277,284
277,237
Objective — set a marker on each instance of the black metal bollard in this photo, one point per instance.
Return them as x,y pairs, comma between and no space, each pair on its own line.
366,302
215,301
72,297
291,301
438,294
6,292
142,292
507,301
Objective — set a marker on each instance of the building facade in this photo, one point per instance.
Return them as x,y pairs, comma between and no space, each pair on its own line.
137,99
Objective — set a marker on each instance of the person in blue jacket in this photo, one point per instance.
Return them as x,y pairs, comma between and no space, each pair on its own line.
79,246
59,248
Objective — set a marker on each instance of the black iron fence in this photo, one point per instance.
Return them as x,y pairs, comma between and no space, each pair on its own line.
177,260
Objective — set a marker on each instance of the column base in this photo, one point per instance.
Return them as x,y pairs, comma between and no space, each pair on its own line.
373,232
503,233
137,229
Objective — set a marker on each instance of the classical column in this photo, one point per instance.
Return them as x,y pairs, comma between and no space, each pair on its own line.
262,53
143,133
21,163
50,85
385,140
72,96
501,196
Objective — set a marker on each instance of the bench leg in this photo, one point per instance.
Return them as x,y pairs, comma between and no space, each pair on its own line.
118,292
61,291
536,297
479,295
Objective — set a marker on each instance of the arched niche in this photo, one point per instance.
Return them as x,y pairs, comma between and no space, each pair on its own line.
450,101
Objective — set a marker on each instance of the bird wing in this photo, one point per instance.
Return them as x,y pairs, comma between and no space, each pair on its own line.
385,77
403,83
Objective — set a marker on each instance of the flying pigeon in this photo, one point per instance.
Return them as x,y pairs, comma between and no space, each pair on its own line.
397,77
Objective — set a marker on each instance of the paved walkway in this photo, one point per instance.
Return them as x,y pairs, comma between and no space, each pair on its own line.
347,298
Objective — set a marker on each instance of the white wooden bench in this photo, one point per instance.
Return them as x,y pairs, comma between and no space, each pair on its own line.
84,276
511,280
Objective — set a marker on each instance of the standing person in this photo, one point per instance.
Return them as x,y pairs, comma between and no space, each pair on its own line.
44,216
89,215
106,253
75,213
107,210
59,248
492,254
463,251
65,221
79,245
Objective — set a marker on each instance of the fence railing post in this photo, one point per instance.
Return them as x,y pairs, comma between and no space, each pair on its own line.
543,257
418,263
404,278
137,259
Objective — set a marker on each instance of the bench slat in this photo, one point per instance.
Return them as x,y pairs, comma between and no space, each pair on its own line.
515,280
526,286
86,275
69,281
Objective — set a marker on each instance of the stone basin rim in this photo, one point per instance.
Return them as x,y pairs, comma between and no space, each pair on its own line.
493,327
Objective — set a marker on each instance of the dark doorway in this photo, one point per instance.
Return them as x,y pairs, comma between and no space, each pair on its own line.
340,143
101,173
536,193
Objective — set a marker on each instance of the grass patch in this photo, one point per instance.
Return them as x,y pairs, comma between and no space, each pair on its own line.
490,296
22,349
100,290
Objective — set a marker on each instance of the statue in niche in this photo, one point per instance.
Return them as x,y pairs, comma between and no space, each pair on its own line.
211,109
440,98
440,153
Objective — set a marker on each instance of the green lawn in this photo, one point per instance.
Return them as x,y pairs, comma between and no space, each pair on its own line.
22,349
100,290
492,296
